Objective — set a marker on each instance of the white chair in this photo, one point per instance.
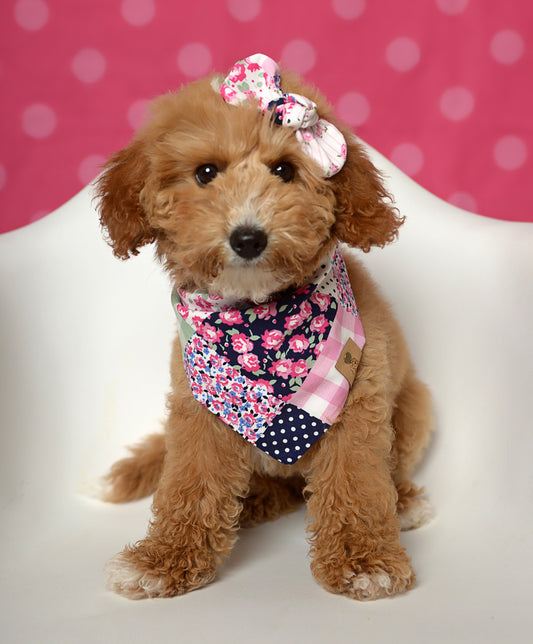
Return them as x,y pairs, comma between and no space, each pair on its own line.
84,350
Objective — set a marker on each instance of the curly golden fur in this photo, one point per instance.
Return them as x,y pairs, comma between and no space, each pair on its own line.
356,478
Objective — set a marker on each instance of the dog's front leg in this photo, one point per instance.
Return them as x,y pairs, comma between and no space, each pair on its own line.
196,510
352,505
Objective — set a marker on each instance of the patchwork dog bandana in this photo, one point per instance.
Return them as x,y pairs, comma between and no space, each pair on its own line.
277,373
258,77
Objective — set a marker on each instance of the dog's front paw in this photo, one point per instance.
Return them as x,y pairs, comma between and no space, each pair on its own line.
366,581
138,575
125,578
376,584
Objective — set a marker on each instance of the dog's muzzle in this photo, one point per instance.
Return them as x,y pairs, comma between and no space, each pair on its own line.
248,241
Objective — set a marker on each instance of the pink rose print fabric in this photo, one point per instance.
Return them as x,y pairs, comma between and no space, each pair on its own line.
268,371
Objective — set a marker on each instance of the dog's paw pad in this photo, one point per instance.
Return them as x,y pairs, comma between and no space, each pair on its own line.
123,577
416,514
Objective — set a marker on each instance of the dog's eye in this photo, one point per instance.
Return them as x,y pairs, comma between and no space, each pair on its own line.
284,170
206,173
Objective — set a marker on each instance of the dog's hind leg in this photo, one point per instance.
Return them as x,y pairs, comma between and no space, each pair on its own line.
137,475
413,424
269,497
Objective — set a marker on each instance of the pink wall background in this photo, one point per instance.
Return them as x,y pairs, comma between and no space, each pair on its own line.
441,87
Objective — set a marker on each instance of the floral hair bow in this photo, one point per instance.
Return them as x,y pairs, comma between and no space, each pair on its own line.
258,77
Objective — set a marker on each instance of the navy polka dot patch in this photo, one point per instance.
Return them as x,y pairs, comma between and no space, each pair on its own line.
291,434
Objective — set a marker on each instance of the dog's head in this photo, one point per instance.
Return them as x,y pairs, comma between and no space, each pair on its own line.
233,203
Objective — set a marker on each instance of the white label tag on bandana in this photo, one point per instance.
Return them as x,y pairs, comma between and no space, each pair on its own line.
349,361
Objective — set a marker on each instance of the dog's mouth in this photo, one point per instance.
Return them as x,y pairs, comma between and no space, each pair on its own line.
257,266
248,279
247,271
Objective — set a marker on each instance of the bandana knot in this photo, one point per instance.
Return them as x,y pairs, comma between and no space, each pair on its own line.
257,77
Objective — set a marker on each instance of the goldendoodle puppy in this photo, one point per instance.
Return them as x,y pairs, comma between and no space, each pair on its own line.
291,379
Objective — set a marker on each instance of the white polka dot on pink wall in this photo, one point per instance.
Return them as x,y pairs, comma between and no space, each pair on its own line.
299,55
138,12
244,10
408,157
3,176
452,7
510,152
195,60
403,54
457,103
463,200
88,65
349,9
137,113
507,46
90,167
37,216
39,121
353,108
31,15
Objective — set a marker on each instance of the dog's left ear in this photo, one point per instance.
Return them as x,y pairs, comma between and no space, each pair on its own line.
364,210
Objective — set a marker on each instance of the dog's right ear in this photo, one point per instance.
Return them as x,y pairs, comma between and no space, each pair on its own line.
118,190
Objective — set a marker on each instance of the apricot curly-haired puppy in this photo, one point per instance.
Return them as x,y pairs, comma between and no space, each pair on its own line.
246,185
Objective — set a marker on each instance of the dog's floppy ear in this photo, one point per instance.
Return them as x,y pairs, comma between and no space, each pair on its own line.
118,190
364,211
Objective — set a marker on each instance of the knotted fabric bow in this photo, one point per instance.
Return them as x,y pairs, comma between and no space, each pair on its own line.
258,77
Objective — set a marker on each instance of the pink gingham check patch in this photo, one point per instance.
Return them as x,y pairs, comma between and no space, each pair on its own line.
324,391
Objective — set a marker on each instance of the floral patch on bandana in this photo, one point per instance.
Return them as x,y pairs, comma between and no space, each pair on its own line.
247,406
276,342
249,364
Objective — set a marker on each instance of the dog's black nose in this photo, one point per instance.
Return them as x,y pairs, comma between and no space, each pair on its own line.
248,242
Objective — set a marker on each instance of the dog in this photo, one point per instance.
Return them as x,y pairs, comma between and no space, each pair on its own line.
247,185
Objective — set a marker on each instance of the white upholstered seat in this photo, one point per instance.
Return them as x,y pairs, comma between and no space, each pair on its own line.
84,349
